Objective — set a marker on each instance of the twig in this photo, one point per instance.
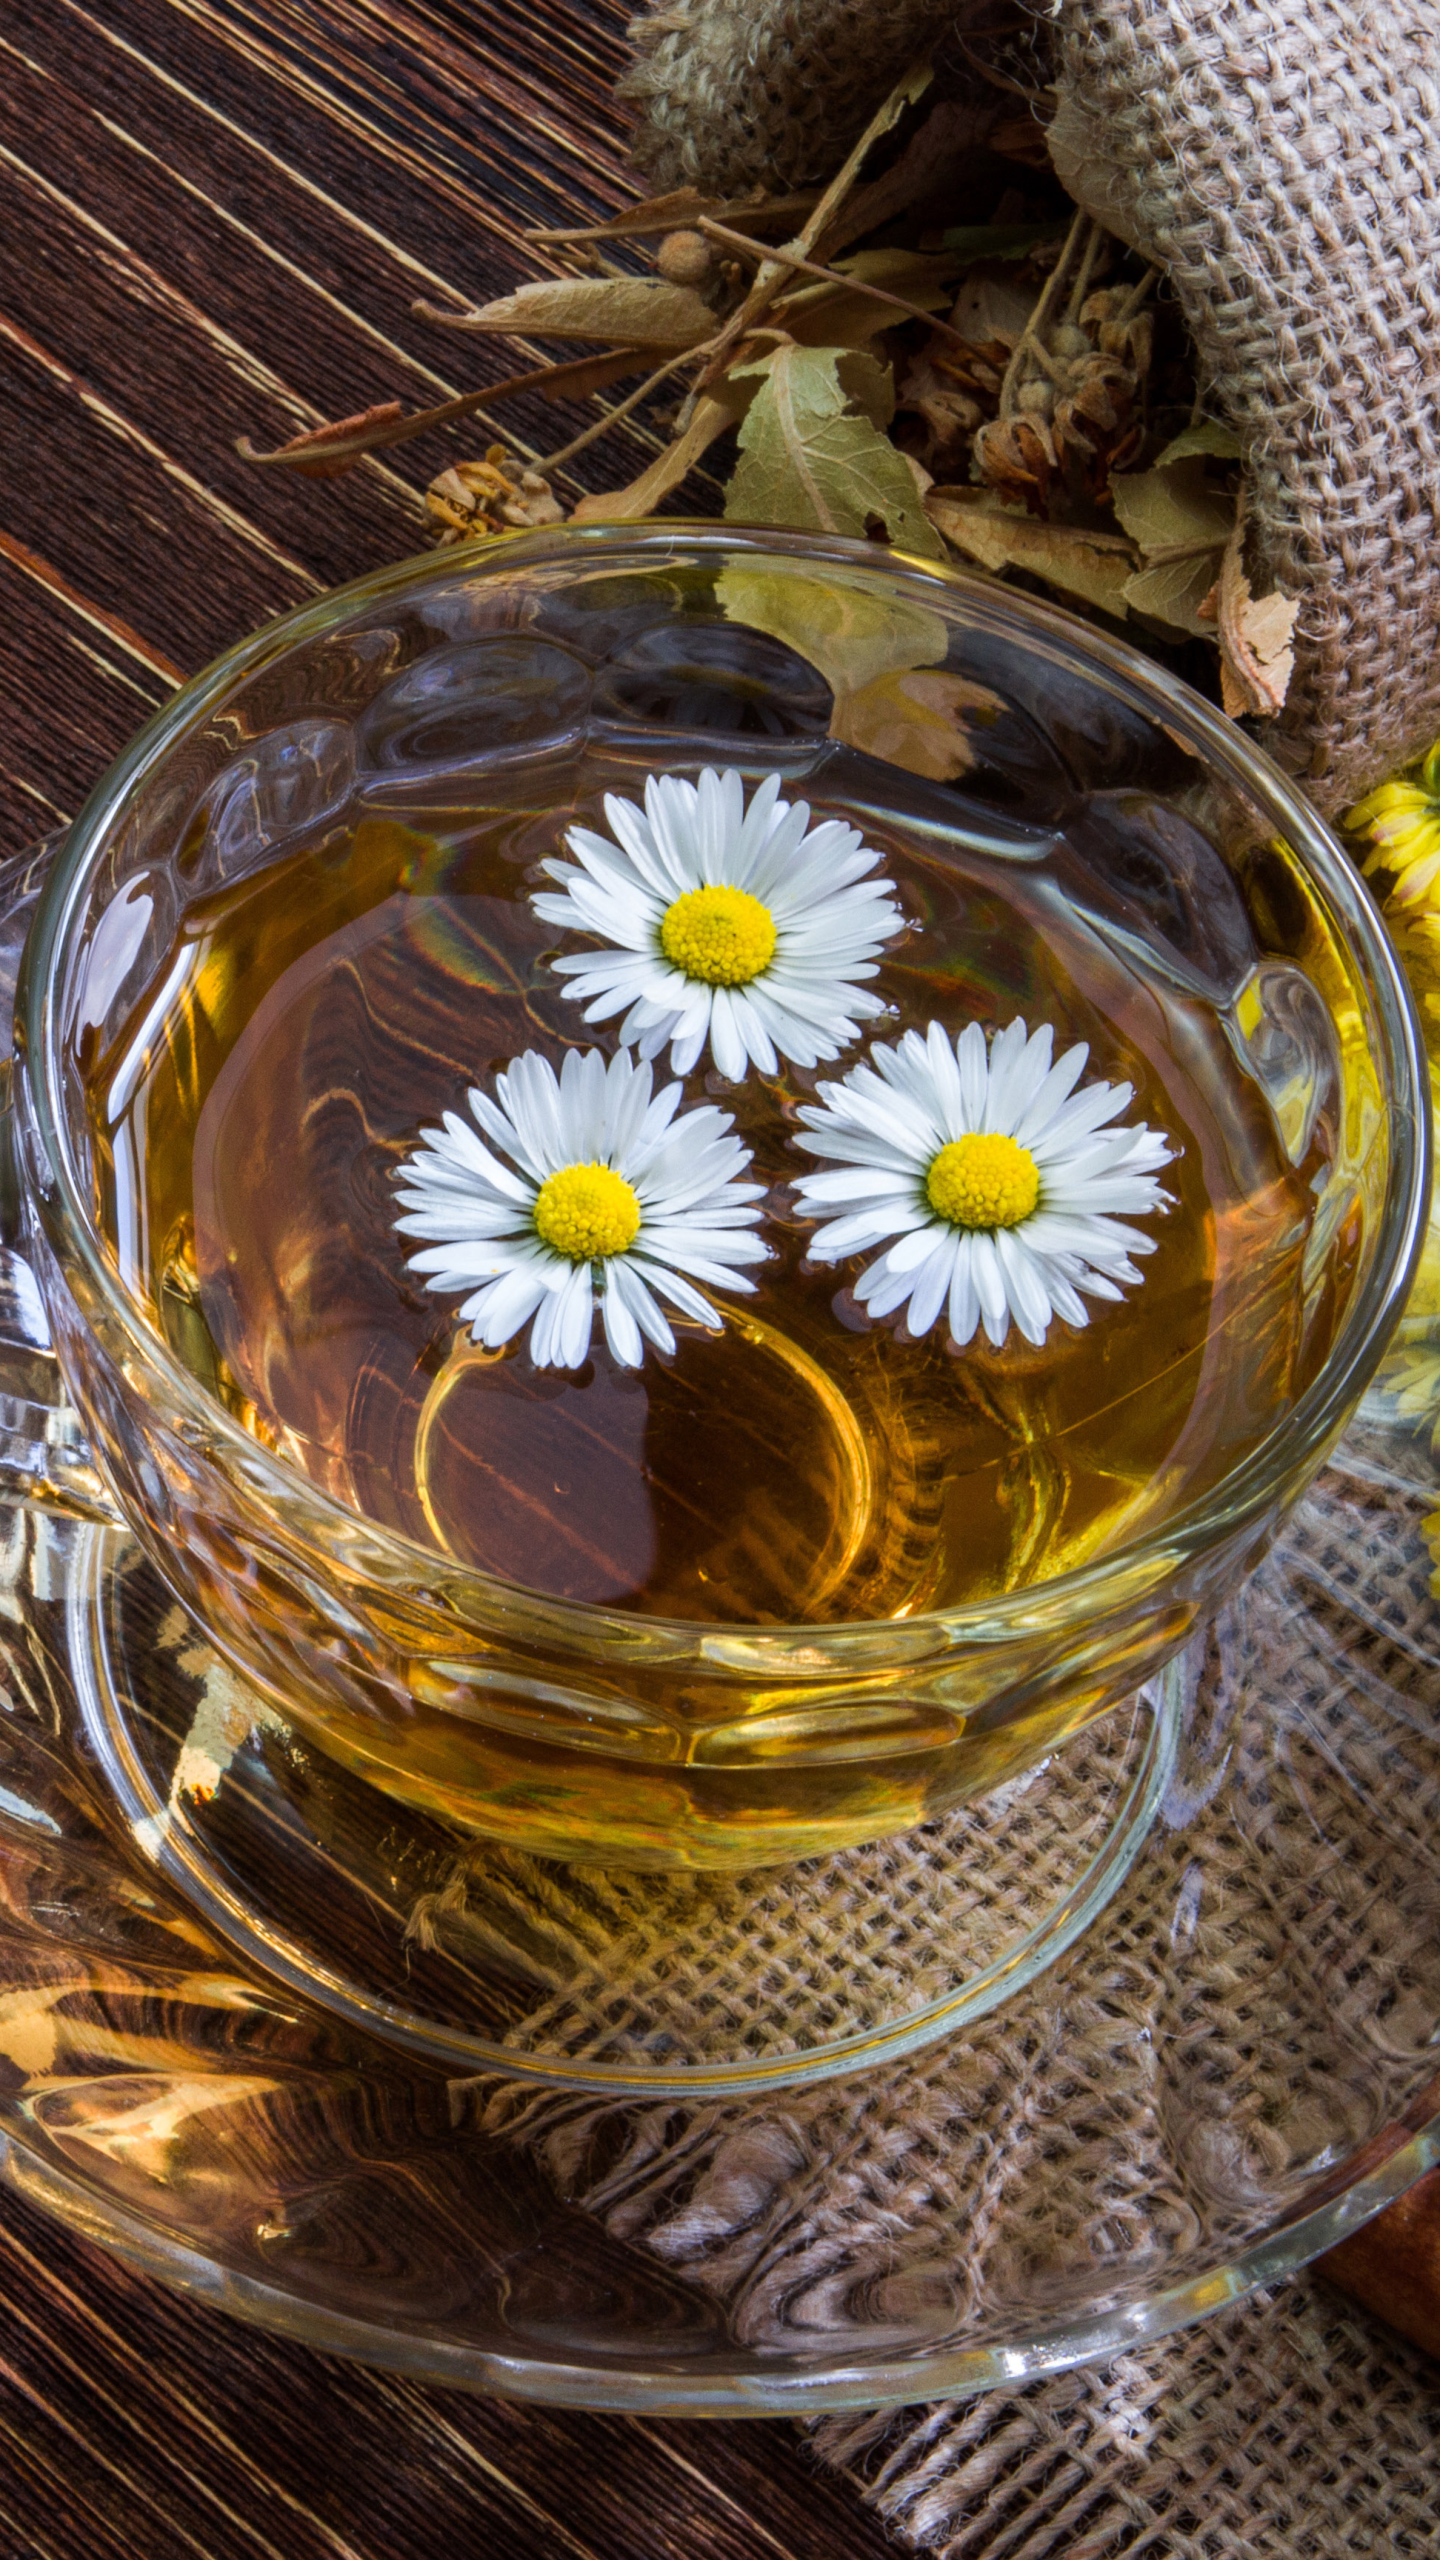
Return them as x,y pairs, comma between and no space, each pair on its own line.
1133,300
612,417
1028,340
319,446
831,276
644,225
904,94
770,277
1086,271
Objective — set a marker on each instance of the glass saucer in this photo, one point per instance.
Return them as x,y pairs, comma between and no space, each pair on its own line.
1236,2062
479,1956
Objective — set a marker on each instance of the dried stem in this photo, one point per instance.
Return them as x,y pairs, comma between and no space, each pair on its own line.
612,417
771,276
1133,300
1029,338
317,446
645,224
830,276
1086,270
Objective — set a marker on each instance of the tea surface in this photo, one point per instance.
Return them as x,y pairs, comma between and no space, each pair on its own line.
805,1463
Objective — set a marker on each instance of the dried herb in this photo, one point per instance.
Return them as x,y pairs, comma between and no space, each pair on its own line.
1093,568
489,497
1257,636
1005,392
629,311
813,451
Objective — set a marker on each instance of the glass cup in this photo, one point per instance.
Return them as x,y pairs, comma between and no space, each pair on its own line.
936,701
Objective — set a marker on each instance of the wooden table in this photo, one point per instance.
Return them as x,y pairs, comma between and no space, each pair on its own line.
218,214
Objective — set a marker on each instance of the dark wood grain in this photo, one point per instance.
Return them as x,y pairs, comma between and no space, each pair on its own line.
134,2426
217,218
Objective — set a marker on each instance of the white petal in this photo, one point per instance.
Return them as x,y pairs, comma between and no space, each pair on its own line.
621,1330
575,1318
854,1184
726,1046
679,1293
687,1045
1007,1056
932,1284
1056,1088
914,1249
989,1277
972,1060
508,1305
626,1280
964,1311
1029,1298
881,1290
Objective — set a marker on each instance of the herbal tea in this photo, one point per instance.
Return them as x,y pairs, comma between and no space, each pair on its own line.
781,1346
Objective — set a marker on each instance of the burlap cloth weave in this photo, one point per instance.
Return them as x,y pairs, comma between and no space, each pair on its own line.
1258,2000
1281,160
1290,2428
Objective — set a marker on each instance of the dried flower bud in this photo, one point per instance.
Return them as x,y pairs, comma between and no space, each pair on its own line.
473,499
684,257
1067,340
1017,456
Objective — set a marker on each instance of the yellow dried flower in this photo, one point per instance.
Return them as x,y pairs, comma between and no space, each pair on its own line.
474,499
1402,821
1411,1376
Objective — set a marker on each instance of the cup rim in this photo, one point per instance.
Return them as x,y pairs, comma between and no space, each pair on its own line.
1293,1448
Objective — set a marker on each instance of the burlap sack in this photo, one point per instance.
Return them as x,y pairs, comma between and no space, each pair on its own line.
1281,159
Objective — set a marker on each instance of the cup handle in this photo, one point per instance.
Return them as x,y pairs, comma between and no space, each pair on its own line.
43,1454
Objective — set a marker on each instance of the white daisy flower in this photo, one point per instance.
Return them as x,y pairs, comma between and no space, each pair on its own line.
607,1197
1003,1185
746,928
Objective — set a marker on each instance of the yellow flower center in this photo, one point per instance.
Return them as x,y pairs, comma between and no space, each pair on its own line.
983,1181
587,1211
721,935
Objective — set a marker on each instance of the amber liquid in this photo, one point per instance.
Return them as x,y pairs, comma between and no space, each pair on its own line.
806,1463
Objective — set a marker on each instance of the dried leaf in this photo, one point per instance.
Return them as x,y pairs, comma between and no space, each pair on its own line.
1257,641
1022,138
615,310
1095,567
643,496
1017,458
992,310
1175,590
326,453
878,654
1219,444
915,718
869,383
950,415
475,499
824,315
853,635
810,456
1172,512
